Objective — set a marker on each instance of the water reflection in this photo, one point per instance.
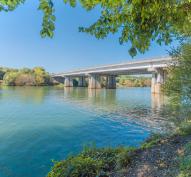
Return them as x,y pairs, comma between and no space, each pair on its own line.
133,104
25,94
158,101
38,124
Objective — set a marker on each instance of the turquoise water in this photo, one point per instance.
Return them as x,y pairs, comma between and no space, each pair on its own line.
41,124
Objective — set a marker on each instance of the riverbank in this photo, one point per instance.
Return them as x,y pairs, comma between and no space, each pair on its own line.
159,156
133,81
162,159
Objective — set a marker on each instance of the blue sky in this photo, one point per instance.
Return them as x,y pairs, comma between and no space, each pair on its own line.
22,46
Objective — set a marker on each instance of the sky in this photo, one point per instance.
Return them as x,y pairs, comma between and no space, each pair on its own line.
22,46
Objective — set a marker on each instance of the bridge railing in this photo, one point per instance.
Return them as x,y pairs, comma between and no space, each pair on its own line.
143,64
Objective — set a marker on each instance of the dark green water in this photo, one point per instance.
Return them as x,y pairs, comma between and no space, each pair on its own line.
41,124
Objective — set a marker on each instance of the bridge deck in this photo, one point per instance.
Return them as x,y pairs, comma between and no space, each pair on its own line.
133,67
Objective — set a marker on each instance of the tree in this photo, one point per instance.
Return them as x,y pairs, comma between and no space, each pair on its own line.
41,76
138,21
178,83
31,77
10,77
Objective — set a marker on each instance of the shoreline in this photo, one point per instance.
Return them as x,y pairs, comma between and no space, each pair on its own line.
159,156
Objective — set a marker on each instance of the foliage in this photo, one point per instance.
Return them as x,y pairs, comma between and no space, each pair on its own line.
138,21
31,77
178,84
185,162
60,85
184,128
153,140
41,76
24,79
141,22
4,70
76,167
133,81
92,162
10,77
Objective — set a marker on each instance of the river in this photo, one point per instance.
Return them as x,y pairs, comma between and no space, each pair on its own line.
41,124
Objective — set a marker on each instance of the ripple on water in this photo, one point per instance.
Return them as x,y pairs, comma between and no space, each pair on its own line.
41,124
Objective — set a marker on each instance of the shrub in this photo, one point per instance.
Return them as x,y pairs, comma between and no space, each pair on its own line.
153,140
10,77
92,162
185,128
134,81
36,77
25,79
124,158
76,167
185,162
41,76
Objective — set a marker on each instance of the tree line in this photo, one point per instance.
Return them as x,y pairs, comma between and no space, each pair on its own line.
29,77
133,81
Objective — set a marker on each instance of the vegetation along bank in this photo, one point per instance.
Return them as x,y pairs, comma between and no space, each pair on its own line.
25,77
166,155
39,77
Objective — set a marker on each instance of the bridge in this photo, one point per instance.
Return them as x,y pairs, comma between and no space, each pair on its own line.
156,67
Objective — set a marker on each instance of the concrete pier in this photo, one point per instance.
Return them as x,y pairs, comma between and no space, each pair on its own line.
68,81
94,81
156,67
158,79
111,82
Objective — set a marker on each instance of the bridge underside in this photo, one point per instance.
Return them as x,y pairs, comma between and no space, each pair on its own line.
93,76
93,81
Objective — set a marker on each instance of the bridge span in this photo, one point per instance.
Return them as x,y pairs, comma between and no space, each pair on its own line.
156,67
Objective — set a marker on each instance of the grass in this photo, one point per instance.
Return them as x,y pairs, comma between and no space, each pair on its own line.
93,162
184,128
185,162
153,140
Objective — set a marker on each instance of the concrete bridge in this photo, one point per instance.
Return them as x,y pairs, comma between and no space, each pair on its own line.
155,66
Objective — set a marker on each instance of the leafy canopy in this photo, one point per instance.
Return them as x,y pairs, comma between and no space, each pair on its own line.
30,77
178,84
138,21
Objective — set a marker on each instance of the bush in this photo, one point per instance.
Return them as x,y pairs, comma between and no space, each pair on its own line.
178,82
133,81
41,76
25,79
185,162
185,128
76,167
36,77
153,140
124,158
92,162
10,77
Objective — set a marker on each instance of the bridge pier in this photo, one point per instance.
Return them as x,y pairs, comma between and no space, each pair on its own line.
81,81
158,79
111,82
68,82
94,81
